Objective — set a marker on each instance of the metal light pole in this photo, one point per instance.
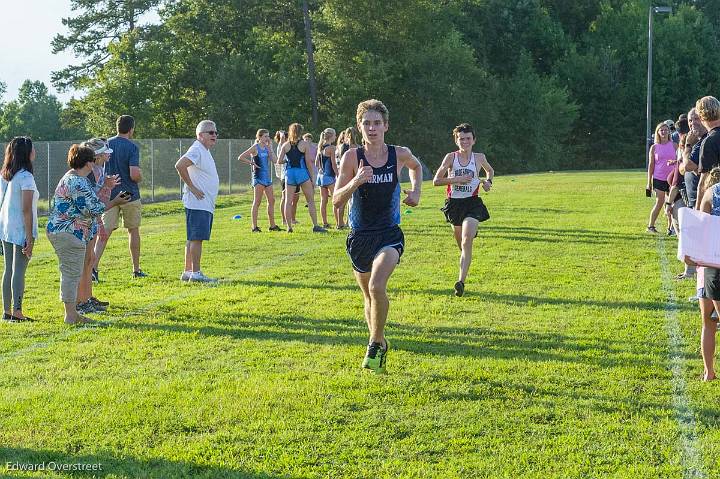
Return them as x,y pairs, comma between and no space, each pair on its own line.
648,111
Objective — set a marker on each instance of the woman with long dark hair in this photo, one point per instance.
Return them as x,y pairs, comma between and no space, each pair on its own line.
18,222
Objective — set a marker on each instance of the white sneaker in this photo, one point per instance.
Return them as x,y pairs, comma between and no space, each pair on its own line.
185,276
199,277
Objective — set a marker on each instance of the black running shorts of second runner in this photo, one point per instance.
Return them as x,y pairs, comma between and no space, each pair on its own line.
364,246
457,209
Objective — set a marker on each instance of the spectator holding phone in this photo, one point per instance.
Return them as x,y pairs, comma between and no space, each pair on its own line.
125,162
18,222
76,209
103,185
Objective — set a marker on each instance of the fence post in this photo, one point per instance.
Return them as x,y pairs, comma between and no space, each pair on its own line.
180,156
152,171
229,167
48,177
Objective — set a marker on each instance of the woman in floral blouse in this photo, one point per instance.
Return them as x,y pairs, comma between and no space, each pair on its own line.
72,224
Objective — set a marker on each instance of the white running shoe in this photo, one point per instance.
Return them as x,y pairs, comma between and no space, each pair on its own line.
199,277
185,276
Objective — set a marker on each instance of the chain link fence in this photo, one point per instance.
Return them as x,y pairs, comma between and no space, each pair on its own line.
157,160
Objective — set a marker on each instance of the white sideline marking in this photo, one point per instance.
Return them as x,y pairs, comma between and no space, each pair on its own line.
199,289
691,457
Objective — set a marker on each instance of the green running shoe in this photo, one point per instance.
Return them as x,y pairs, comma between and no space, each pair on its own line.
376,357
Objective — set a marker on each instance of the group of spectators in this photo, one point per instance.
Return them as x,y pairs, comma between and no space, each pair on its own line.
100,186
684,172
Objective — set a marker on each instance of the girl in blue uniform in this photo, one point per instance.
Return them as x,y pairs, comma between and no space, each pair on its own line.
348,138
259,156
299,171
327,172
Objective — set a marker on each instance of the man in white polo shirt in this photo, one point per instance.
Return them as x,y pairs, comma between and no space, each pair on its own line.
197,170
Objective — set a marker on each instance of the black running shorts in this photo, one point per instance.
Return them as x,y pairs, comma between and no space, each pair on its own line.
457,209
712,284
661,185
363,247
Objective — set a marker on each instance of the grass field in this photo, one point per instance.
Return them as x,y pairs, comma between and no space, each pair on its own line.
572,355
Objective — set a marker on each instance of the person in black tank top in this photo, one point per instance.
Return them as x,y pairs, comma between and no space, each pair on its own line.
300,172
327,173
464,209
350,138
369,179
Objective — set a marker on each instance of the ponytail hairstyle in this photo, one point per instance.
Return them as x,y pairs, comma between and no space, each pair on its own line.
17,157
712,178
353,137
325,136
340,139
279,136
295,132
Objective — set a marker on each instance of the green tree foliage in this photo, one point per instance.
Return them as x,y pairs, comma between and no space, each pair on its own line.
98,24
35,113
548,84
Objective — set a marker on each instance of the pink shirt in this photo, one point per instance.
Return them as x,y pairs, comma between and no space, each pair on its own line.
664,152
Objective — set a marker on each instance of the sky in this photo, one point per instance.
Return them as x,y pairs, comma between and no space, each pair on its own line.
28,27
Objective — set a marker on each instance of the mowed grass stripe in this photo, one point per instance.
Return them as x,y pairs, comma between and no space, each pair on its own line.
690,446
553,365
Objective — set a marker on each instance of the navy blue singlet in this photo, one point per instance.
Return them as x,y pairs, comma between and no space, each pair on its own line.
295,157
375,205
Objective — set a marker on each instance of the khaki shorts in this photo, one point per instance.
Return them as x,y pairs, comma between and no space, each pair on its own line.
131,213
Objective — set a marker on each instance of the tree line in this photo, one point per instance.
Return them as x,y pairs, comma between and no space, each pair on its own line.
548,84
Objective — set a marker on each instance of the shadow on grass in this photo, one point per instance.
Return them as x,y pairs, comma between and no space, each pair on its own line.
510,299
113,466
540,235
586,394
442,341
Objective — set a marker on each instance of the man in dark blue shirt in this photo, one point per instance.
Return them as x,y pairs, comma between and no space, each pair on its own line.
125,162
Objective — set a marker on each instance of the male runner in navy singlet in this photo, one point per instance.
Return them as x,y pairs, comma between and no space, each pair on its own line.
369,178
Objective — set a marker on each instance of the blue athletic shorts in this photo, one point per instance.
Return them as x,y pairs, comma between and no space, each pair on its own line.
198,224
296,176
260,181
325,180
